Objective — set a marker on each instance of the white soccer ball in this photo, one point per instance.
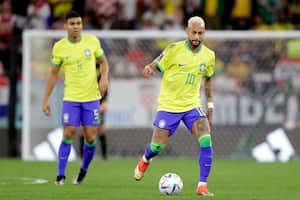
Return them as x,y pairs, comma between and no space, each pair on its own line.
170,184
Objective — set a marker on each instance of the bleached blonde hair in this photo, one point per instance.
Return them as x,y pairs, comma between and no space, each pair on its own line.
196,19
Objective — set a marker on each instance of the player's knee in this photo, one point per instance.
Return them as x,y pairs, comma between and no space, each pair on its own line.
69,132
90,143
89,138
156,147
201,126
205,140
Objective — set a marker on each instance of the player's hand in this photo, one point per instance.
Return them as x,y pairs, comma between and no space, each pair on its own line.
149,71
103,85
103,107
210,115
46,108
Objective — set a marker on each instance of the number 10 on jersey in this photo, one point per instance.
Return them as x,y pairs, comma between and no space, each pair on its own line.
190,79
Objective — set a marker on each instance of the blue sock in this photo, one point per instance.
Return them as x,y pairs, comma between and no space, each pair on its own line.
205,162
63,155
153,150
205,157
149,154
88,154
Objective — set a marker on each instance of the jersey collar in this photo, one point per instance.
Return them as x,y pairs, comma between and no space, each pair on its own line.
190,49
74,42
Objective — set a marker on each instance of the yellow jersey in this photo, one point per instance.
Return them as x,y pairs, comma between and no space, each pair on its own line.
78,61
182,74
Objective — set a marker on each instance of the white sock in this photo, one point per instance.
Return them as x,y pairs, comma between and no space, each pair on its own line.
201,183
145,159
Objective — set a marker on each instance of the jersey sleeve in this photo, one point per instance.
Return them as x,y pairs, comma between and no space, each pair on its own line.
164,60
209,72
56,57
99,51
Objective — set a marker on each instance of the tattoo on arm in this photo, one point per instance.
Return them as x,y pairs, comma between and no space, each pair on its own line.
208,89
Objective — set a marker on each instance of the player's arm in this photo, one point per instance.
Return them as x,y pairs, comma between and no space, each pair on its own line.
208,87
52,79
161,63
104,69
150,70
209,98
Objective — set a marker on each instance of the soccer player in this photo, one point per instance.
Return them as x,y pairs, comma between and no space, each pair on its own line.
77,54
183,65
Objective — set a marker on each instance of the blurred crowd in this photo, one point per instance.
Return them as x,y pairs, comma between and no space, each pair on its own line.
154,14
15,16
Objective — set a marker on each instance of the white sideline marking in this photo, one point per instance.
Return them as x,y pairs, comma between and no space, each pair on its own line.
22,180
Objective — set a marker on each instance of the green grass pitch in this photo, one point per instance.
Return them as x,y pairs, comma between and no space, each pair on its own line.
112,179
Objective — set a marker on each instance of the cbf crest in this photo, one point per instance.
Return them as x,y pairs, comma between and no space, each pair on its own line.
87,53
160,57
202,68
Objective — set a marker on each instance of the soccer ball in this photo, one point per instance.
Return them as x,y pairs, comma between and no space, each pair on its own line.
170,184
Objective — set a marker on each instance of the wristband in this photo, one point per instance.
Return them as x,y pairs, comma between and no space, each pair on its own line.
210,105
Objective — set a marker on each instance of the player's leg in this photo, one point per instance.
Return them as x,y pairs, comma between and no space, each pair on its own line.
64,152
102,137
89,149
197,123
157,144
81,142
202,130
90,121
70,119
166,124
89,146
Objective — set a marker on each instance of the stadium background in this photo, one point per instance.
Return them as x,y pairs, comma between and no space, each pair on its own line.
247,72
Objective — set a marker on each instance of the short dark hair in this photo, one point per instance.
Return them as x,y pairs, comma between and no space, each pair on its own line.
72,14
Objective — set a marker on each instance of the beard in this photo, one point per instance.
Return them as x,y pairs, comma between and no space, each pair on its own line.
195,43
